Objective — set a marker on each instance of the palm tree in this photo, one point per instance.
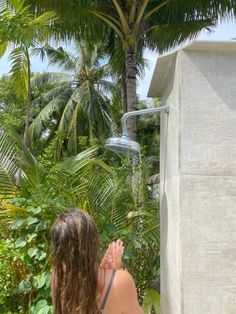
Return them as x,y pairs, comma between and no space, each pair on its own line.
137,24
80,105
23,30
16,157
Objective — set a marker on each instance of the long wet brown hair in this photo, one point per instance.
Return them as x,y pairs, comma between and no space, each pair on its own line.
74,242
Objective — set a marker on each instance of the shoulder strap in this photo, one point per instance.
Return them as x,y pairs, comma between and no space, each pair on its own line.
107,292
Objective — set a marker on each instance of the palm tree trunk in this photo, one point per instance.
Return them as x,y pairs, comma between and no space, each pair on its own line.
28,101
123,91
131,86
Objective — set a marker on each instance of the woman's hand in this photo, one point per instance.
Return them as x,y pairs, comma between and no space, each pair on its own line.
113,255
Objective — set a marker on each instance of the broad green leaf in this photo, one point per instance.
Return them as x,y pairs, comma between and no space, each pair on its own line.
42,307
25,286
17,223
17,201
35,210
33,251
41,280
32,220
31,236
20,242
41,256
41,226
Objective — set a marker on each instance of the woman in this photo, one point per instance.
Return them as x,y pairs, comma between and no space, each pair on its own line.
79,285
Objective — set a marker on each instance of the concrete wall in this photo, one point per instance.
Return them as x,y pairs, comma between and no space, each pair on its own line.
169,187
198,183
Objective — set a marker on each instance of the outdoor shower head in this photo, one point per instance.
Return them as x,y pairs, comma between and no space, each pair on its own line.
122,144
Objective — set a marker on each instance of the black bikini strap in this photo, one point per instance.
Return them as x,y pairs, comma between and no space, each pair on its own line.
107,292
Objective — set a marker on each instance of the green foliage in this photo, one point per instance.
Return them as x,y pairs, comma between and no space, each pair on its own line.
151,302
84,181
24,30
164,23
8,166
9,274
30,237
79,105
30,231
11,106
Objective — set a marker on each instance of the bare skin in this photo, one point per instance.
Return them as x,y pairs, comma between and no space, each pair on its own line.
122,298
113,255
123,295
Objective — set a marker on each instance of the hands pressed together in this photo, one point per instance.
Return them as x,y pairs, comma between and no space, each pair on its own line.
113,255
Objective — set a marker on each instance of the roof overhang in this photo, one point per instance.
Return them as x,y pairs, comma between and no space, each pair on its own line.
164,62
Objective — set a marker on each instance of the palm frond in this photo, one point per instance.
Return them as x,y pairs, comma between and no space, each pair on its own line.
73,133
165,37
68,110
72,14
102,72
31,172
8,166
64,122
41,79
63,90
107,87
38,125
93,102
43,20
19,70
61,58
3,48
17,5
17,165
84,159
38,51
80,126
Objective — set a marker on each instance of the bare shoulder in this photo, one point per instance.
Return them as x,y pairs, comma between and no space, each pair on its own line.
124,282
126,292
123,277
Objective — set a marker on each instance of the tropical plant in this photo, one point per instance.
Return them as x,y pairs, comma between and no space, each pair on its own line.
11,105
151,302
80,105
23,30
84,181
137,24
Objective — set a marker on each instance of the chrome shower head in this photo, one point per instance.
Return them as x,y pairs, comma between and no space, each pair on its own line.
122,144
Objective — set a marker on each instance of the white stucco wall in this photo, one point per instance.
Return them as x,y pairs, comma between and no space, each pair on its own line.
170,220
198,179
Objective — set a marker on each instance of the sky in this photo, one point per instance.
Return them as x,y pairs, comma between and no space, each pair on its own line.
224,31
